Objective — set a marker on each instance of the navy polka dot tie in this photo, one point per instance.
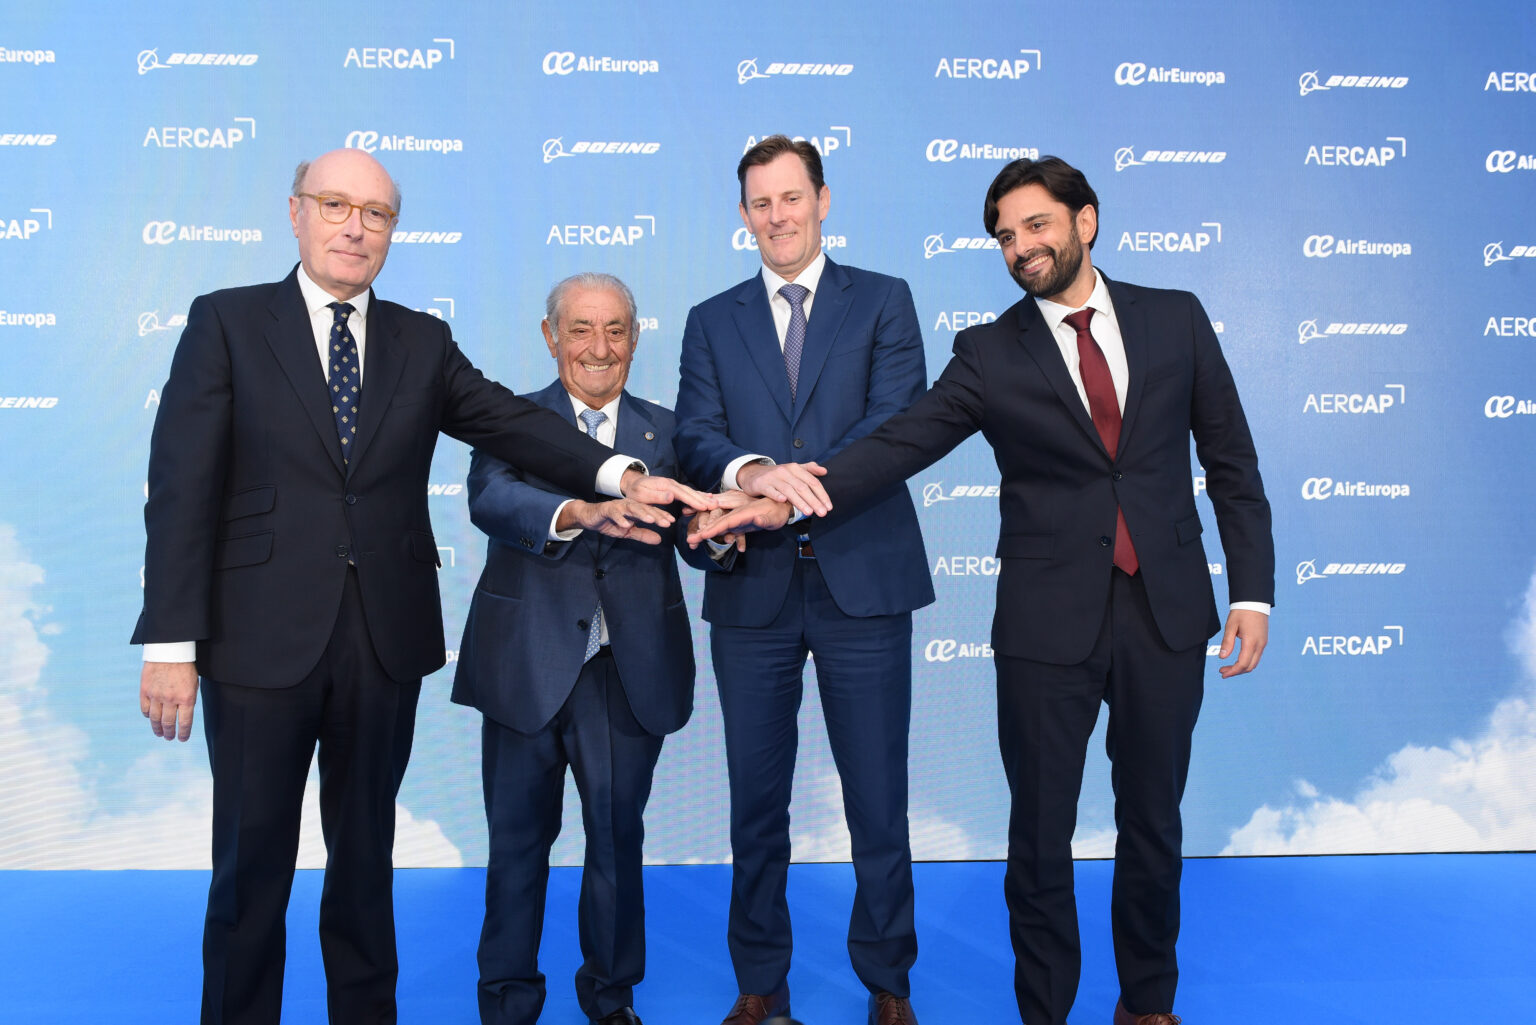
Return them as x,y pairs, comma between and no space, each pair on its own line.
344,378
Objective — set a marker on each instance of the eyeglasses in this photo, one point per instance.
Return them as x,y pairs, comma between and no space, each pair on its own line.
376,217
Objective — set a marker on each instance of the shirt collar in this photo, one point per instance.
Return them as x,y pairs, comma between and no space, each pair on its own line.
317,298
1098,301
611,410
810,277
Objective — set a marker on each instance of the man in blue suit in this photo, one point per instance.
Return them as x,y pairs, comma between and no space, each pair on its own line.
1089,391
578,653
793,364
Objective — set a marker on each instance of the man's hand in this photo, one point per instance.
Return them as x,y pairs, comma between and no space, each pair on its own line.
621,518
758,514
663,491
167,692
794,483
1249,630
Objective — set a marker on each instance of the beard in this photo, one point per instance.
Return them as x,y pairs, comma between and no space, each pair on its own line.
1065,264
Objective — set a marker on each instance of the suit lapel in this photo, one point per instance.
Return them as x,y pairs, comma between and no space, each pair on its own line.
1036,337
1133,333
292,341
828,311
754,323
383,363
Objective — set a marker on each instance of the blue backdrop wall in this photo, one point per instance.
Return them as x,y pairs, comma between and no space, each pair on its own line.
1348,187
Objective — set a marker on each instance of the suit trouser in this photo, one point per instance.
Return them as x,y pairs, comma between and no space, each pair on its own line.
1046,714
864,675
260,744
612,759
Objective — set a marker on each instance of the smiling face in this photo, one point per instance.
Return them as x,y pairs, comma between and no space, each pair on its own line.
784,211
342,258
593,344
1042,244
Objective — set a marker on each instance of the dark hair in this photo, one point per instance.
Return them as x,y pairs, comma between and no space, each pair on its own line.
1064,182
770,149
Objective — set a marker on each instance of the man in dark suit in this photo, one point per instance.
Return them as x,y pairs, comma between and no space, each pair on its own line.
1088,392
290,561
598,698
795,363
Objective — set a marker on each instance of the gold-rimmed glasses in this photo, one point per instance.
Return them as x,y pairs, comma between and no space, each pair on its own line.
336,209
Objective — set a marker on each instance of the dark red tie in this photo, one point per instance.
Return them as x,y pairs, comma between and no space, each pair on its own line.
1105,410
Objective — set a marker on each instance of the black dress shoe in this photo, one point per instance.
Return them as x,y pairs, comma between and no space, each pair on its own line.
623,1016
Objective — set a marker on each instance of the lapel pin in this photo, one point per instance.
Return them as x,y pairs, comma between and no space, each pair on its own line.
650,435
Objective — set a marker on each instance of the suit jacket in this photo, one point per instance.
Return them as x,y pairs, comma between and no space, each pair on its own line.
527,627
252,517
862,362
1060,488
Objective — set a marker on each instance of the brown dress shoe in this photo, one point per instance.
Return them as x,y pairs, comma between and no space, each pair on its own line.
1124,1017
885,1009
751,1009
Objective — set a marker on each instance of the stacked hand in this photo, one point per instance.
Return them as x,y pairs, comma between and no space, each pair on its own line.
622,518
663,491
730,524
795,483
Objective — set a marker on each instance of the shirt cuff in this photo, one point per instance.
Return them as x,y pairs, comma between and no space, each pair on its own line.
1250,606
171,651
610,476
732,468
562,535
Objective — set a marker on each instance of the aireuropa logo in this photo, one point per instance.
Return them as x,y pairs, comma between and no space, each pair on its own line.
934,493
370,141
934,245
200,136
1321,489
1503,161
1320,247
747,70
1354,644
1126,157
1502,407
398,58
945,649
1309,331
967,566
9,318
1139,73
947,151
566,62
959,320
1356,402
25,227
554,149
150,322
28,401
426,238
744,241
989,68
1341,155
9,56
1312,82
1494,253
1510,327
1308,570
602,234
1500,81
163,233
825,144
437,311
28,138
149,60
1171,241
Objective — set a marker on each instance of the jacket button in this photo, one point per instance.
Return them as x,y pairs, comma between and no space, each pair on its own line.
799,443
1116,475
1104,542
351,499
525,542
600,573
341,551
583,625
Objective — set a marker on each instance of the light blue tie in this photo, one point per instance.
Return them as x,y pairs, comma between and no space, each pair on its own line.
794,335
591,419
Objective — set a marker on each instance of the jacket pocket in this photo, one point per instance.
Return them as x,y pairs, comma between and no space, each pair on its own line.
423,547
1188,529
244,550
250,502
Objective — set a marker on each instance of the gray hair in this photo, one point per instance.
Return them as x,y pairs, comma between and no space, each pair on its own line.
303,169
587,279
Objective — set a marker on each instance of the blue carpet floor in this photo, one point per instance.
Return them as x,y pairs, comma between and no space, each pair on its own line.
1326,941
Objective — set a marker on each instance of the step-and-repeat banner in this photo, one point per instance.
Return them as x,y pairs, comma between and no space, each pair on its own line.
1350,189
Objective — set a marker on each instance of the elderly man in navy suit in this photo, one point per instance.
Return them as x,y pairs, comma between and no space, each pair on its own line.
795,363
578,653
1089,390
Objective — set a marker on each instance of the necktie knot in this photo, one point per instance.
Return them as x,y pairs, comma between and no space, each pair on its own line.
592,419
342,311
1079,320
794,294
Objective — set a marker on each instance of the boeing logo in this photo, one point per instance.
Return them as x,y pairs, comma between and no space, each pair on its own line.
747,70
1309,331
1125,157
149,60
934,245
1310,82
554,149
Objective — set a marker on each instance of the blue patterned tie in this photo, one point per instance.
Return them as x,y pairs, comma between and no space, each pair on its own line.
344,378
591,418
794,337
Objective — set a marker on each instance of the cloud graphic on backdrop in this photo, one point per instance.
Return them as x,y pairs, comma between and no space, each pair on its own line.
54,815
1475,794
